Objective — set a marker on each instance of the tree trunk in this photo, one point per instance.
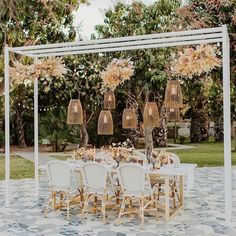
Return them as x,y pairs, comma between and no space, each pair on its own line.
148,142
160,133
199,126
20,129
219,129
84,136
54,146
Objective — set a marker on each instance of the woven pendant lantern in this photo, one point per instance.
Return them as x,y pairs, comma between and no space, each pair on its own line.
75,112
151,118
173,114
109,100
105,123
173,94
129,120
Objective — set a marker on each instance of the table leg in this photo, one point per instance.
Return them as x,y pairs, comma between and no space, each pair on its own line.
181,189
54,200
190,179
167,199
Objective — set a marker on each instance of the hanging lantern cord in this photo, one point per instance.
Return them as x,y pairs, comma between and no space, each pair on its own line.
102,105
77,88
129,103
154,97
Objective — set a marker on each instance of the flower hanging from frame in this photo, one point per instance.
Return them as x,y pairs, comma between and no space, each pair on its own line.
116,73
25,74
195,62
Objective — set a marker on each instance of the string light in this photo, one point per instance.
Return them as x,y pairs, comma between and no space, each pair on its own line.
40,108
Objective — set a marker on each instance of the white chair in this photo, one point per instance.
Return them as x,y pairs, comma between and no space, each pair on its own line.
95,177
135,184
61,182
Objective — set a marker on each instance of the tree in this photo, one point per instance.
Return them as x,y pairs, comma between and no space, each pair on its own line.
213,13
138,19
25,22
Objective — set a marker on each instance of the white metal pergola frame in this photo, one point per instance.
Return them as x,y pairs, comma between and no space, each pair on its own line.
170,39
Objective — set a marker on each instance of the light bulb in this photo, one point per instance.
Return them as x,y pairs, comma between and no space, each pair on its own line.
150,111
174,90
105,119
75,108
109,98
127,117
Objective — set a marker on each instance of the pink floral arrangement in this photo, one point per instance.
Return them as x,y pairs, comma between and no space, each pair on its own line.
196,62
117,71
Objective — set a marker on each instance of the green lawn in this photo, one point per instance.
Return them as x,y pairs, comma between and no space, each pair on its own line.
204,154
61,157
20,168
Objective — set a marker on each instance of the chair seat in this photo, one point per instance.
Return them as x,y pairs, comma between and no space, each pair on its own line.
100,191
157,180
147,192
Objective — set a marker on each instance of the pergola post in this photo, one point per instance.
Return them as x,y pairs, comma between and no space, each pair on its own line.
227,125
7,124
36,142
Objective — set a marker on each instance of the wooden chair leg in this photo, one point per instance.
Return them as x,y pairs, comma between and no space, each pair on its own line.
85,206
54,194
68,205
121,210
117,197
48,205
104,208
61,200
142,212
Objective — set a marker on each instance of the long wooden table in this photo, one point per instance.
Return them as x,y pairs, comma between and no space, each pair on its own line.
165,173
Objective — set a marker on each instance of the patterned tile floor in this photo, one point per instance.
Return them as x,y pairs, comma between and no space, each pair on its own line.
202,215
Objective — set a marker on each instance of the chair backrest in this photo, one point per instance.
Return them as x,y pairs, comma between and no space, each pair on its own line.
175,158
141,155
95,175
132,177
103,155
78,180
60,174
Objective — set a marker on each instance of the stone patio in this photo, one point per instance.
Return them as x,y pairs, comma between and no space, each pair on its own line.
202,215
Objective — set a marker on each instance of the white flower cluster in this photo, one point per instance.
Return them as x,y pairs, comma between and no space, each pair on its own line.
195,62
46,68
117,71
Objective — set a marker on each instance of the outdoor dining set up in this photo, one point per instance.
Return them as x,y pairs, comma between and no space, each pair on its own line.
121,175
130,185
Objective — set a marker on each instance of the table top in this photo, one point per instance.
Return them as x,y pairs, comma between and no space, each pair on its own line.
181,170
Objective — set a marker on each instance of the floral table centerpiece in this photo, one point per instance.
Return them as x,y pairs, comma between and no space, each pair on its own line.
79,153
165,158
84,154
119,154
155,160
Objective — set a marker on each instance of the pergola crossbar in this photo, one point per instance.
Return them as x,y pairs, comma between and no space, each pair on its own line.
120,46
